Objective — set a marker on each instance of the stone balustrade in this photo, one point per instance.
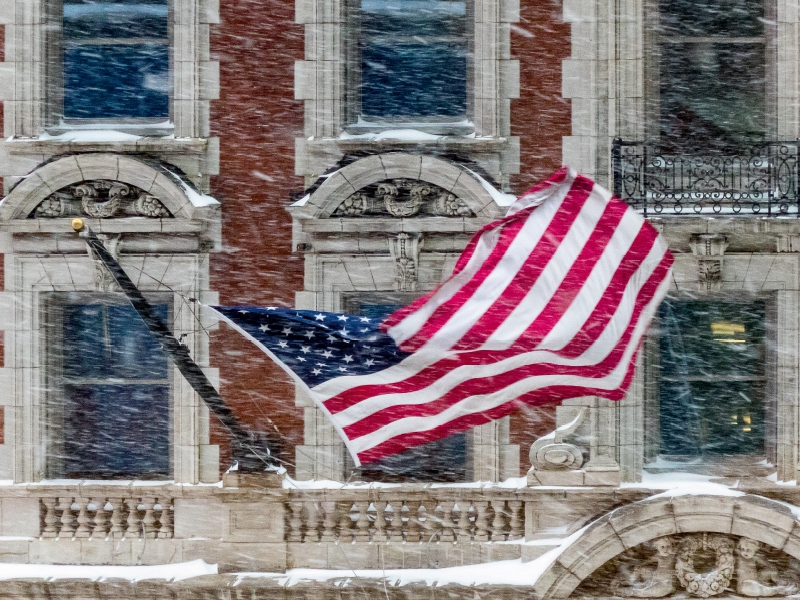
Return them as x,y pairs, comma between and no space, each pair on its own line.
134,517
395,515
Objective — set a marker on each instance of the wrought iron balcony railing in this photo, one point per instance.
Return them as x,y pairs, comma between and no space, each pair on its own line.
761,179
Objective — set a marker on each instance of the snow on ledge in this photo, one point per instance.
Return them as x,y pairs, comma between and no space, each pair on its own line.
500,198
171,572
507,572
328,484
406,135
197,199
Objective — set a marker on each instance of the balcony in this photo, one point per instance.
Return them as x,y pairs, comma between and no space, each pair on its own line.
759,180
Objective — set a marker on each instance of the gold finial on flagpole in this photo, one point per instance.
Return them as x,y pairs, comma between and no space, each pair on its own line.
77,224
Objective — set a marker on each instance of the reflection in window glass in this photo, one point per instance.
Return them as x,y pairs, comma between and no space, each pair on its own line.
712,73
116,394
712,378
116,59
698,18
413,58
444,460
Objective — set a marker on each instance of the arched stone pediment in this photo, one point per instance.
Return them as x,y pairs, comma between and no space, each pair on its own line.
671,527
403,186
93,184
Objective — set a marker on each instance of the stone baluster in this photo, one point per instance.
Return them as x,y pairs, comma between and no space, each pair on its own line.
329,521
50,518
149,519
464,525
314,514
345,521
83,530
481,521
132,504
67,519
362,523
517,523
380,524
116,530
165,519
413,529
427,518
448,525
100,519
396,525
499,521
296,521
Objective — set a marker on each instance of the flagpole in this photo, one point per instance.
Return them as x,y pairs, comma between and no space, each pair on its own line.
249,459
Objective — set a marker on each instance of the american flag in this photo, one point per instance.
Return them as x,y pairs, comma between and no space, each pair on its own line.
548,303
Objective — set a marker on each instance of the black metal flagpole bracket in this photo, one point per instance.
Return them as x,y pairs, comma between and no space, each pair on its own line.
248,449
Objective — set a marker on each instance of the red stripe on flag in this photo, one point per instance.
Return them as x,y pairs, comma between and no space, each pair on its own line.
487,385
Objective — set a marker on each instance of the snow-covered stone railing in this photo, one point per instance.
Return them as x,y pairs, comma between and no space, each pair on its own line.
395,515
136,517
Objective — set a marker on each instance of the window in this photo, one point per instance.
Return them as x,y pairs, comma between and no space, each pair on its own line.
713,73
111,389
116,59
413,61
712,382
444,460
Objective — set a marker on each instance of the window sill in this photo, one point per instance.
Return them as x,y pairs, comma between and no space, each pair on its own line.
196,146
385,144
741,465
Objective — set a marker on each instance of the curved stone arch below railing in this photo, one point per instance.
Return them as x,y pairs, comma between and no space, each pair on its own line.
767,521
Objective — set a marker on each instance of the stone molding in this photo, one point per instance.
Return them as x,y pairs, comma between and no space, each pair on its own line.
402,198
54,176
356,176
761,519
100,199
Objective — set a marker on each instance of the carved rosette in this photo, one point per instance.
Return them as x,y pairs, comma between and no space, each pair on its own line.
100,199
403,198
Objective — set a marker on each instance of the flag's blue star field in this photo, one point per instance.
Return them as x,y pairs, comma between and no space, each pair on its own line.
318,346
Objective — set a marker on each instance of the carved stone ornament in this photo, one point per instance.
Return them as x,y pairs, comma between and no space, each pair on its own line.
405,250
403,198
551,453
709,248
100,199
716,580
701,565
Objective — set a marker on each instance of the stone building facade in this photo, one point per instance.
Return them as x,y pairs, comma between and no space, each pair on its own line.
263,156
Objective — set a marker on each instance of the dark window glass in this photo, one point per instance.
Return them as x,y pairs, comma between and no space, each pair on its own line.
701,18
712,378
413,58
116,394
712,74
116,59
443,460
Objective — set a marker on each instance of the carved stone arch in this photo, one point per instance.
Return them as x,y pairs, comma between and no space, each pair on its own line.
55,175
452,177
767,521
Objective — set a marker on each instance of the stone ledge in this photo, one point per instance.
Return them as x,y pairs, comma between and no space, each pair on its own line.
254,586
163,146
135,225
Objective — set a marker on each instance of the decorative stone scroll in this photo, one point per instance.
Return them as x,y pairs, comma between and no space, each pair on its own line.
701,565
404,248
709,248
403,198
100,199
